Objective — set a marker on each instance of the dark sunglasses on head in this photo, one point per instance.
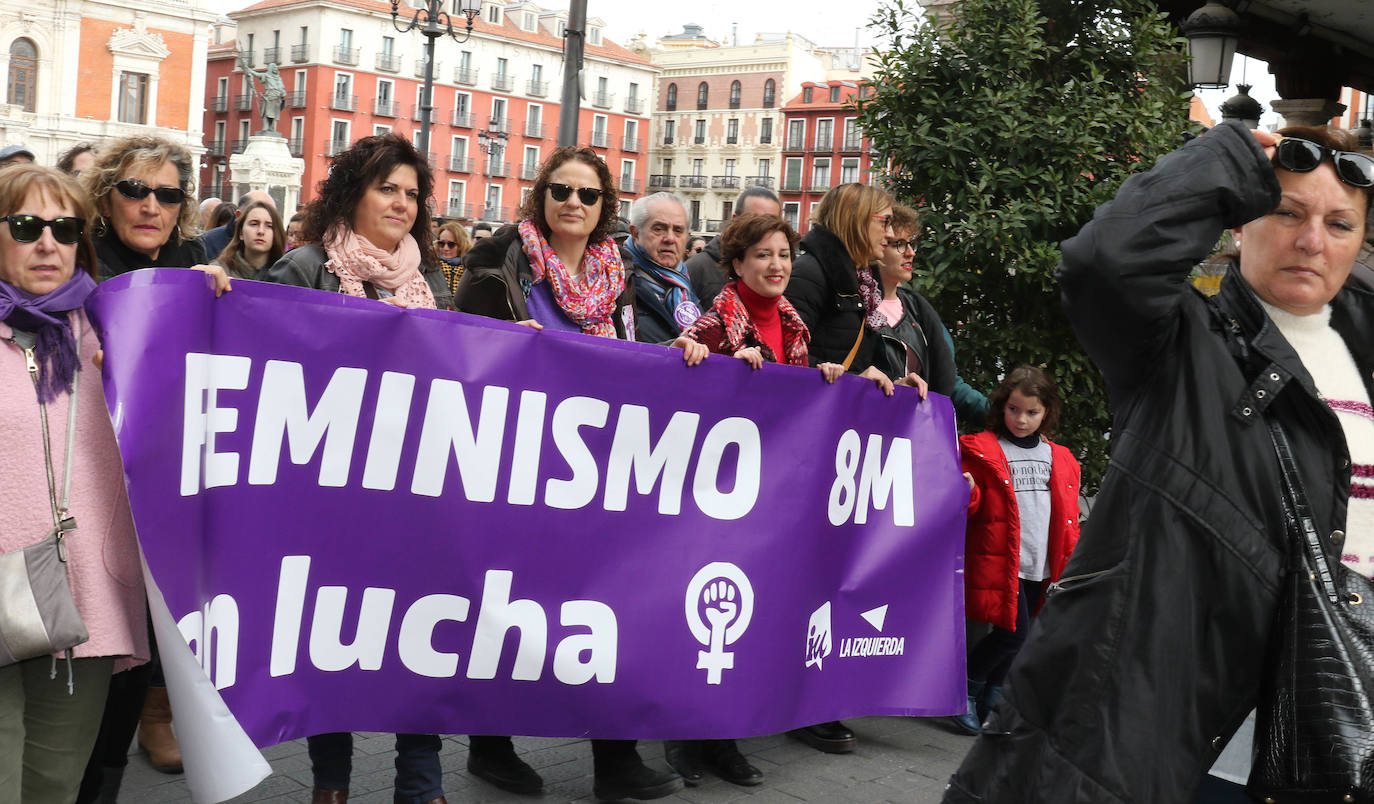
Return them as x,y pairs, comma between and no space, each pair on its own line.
28,228
1303,156
136,190
587,195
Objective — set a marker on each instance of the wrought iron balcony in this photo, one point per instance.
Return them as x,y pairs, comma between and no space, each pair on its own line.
759,181
343,103
634,105
630,144
388,63
300,53
385,108
603,100
347,55
271,55
460,164
462,119
692,182
243,103
725,182
219,103
295,100
657,180
537,88
465,75
503,82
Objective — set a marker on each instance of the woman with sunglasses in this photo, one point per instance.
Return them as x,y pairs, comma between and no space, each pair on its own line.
1139,671
147,217
257,241
451,243
51,706
367,234
560,268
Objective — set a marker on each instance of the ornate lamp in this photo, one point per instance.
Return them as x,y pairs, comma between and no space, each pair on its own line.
1212,32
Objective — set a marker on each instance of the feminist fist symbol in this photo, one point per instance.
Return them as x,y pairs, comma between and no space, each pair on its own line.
722,592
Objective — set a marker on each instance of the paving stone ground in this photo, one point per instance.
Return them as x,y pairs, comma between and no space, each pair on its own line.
898,760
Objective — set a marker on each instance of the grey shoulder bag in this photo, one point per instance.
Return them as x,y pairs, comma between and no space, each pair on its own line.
38,615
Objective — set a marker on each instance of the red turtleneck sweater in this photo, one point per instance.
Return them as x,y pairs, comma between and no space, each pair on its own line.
763,312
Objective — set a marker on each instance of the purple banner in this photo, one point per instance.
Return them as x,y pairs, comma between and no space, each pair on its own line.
372,519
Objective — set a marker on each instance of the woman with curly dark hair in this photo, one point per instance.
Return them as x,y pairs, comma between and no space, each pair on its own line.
367,234
559,267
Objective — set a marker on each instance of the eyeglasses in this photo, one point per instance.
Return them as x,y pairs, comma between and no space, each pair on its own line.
135,190
446,243
587,195
885,220
1303,156
901,245
28,228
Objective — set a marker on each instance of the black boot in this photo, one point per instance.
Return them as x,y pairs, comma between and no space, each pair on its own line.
832,737
493,759
684,756
725,760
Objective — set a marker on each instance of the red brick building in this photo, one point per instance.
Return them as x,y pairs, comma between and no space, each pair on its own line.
821,147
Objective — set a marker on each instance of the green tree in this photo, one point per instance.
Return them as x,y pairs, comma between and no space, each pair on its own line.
1006,124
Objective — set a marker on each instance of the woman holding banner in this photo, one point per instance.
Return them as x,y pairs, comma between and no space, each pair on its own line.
367,234
560,268
50,709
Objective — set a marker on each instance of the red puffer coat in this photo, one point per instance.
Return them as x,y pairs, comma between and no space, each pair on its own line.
992,553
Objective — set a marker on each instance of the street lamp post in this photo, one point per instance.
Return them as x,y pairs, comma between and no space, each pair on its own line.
433,22
493,143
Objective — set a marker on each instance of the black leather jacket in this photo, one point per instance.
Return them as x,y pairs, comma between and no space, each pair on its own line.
825,291
1143,664
303,267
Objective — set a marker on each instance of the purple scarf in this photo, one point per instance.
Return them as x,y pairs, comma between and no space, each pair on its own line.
45,316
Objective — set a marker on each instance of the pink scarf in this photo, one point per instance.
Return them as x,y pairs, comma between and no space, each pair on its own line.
589,299
354,260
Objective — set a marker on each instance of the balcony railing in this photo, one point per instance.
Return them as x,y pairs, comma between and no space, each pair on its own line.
820,185
725,182
416,114
344,103
271,55
537,88
389,63
385,108
699,139
853,144
460,164
347,55
732,140
692,182
503,82
295,100
219,103
713,226
296,146
237,146
795,144
462,119
500,124
634,105
300,53
734,103
248,58
243,103
222,190
629,185
455,209
334,147
670,106
528,171
600,139
823,146
630,144
791,184
767,101
766,138
495,213
667,139
465,75
661,180
496,167
603,100
534,131
758,181
420,67
215,148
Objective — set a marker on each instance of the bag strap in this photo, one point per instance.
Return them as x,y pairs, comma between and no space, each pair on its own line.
1299,515
849,358
61,517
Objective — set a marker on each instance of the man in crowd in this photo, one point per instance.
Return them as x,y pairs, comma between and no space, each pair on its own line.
15,154
664,301
707,277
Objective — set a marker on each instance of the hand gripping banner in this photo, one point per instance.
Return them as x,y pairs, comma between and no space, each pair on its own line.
363,518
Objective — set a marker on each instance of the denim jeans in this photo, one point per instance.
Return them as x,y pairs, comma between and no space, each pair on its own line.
418,775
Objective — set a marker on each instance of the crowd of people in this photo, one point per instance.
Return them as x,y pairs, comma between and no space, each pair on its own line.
838,300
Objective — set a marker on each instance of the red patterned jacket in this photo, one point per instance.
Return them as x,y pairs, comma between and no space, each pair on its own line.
726,328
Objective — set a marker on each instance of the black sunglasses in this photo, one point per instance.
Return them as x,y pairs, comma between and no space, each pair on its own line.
587,195
136,190
1303,156
28,228
446,243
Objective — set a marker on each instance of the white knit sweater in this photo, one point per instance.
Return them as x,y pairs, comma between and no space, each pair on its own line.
1328,360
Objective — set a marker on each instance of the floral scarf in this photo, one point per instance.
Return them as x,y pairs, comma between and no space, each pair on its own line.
589,300
873,297
354,260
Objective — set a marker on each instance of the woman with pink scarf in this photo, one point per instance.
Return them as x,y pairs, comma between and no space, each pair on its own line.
367,234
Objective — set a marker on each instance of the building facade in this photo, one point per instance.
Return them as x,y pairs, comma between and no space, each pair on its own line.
349,73
822,146
717,120
95,70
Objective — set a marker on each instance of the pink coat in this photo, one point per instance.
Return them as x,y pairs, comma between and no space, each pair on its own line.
102,555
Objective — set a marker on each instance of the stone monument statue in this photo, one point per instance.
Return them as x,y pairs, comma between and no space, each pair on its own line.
273,95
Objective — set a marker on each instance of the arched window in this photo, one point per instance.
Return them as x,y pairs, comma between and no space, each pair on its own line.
672,97
770,90
702,92
23,81
734,94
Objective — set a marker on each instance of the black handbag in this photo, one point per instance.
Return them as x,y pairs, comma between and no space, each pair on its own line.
1314,728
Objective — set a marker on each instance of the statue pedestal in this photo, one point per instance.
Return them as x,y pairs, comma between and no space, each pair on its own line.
267,164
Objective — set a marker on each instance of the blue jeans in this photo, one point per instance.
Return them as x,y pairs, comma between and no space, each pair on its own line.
418,775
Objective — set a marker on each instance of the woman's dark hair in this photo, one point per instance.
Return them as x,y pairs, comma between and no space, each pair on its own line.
224,214
1030,381
746,230
235,246
533,206
1333,138
18,182
365,163
68,157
